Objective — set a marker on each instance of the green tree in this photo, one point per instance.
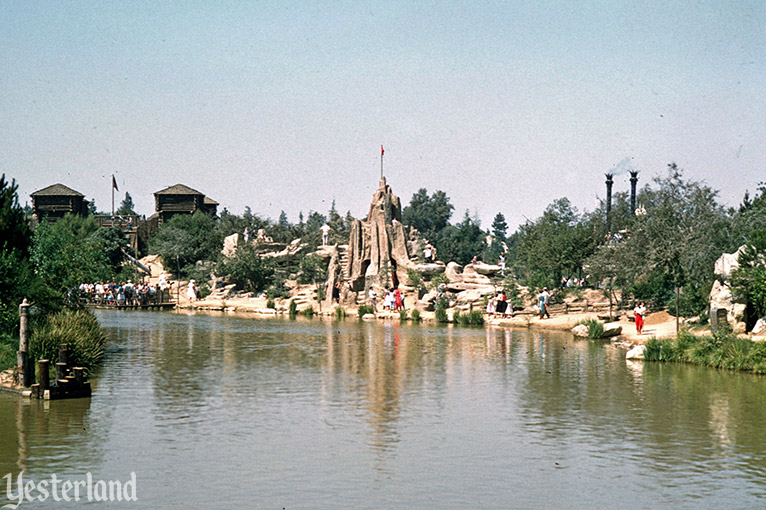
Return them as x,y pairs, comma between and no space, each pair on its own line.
554,245
429,215
75,250
674,244
749,279
248,270
186,239
126,206
461,242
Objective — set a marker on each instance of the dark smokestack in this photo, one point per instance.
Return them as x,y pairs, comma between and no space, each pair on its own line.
633,182
608,200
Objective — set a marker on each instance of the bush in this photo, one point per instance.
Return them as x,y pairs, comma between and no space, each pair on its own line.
718,351
270,304
415,278
340,313
293,309
246,269
595,328
402,315
79,329
415,315
365,309
441,312
437,280
472,318
308,312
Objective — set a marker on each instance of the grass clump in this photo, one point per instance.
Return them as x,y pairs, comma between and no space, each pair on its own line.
718,351
79,329
441,312
340,313
308,312
402,315
415,315
365,309
472,318
270,304
293,309
595,328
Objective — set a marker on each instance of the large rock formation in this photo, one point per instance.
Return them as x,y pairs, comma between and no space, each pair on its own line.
721,296
378,252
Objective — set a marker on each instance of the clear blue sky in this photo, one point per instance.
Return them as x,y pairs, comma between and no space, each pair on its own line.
505,106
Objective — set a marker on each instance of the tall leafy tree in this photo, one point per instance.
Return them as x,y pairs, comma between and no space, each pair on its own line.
126,206
429,215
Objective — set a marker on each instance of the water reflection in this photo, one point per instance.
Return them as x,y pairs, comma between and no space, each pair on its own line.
313,413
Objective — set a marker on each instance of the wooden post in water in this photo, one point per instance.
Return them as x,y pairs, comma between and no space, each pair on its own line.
26,368
43,367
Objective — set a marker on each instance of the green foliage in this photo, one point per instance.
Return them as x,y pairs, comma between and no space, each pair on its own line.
415,315
403,315
461,242
437,280
555,245
293,309
429,215
364,310
308,312
126,206
415,278
675,244
78,329
472,318
246,269
312,270
185,239
14,231
76,250
595,328
441,311
749,280
270,303
719,351
340,313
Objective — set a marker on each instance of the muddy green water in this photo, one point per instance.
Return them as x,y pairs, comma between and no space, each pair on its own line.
214,411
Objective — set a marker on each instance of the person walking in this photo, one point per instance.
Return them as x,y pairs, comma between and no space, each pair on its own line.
640,313
542,303
372,296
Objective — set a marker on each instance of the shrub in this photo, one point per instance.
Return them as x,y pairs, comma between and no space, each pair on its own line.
340,312
308,312
364,310
441,312
475,318
79,329
437,280
270,304
415,278
457,317
595,328
402,315
415,315
293,309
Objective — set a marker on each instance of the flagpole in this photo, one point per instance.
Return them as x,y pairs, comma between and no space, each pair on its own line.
112,197
381,162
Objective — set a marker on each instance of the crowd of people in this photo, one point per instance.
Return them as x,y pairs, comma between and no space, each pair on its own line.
123,293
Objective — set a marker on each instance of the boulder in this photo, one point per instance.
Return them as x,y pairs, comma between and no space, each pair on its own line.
727,263
636,352
230,245
721,297
580,330
486,269
454,272
760,327
431,269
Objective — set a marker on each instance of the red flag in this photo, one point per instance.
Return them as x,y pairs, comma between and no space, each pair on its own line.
381,150
114,184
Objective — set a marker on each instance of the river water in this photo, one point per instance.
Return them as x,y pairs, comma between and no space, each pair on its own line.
215,411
